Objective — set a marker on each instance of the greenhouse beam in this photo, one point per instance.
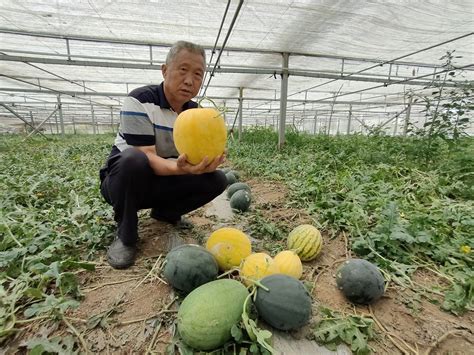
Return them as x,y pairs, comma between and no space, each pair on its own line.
229,49
283,99
20,117
266,71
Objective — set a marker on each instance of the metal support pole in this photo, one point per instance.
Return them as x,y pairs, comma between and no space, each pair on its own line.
330,115
241,99
93,119
315,122
50,122
21,118
407,117
73,124
57,124
112,118
349,121
61,119
283,99
68,49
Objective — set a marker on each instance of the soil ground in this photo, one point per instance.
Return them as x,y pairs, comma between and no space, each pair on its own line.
132,311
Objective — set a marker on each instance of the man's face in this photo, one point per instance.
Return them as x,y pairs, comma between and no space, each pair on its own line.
183,77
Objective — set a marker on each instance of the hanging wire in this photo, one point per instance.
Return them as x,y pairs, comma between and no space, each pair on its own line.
215,43
229,31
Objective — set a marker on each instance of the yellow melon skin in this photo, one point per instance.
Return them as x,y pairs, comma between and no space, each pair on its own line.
256,266
199,133
289,263
229,247
306,241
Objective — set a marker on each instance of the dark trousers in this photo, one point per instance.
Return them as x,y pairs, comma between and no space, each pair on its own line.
129,184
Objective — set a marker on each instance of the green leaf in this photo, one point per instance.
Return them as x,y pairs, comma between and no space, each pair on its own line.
55,345
68,284
459,298
334,329
34,293
236,333
71,265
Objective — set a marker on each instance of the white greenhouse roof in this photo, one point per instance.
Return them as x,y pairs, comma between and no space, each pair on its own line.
362,57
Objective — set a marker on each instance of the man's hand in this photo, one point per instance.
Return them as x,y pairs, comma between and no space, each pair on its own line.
203,167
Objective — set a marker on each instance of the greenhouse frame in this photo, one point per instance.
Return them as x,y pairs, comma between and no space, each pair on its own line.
71,64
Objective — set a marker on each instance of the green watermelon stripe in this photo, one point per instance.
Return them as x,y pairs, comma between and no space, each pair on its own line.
299,245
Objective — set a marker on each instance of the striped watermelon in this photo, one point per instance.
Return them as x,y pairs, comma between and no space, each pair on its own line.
306,241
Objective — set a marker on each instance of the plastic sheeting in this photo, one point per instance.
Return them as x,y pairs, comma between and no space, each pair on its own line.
121,45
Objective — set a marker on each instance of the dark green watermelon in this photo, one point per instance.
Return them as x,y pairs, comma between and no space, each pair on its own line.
236,174
231,179
360,281
236,187
241,200
286,305
189,266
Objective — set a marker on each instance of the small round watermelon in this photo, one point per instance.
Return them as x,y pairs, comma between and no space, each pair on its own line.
286,305
231,178
241,200
189,266
360,281
236,187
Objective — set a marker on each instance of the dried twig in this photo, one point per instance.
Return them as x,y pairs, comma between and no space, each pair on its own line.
443,337
324,269
164,310
149,273
152,342
109,283
346,243
391,335
77,334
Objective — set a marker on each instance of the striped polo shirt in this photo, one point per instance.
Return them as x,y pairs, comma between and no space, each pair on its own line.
147,119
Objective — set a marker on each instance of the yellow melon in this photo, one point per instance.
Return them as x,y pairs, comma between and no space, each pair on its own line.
256,266
289,263
306,241
199,133
229,247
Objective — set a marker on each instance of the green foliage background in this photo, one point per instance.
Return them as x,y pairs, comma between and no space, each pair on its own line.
404,207
401,210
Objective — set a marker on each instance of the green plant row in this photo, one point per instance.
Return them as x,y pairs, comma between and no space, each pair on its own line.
401,210
52,223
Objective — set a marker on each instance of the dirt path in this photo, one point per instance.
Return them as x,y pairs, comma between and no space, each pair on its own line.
133,311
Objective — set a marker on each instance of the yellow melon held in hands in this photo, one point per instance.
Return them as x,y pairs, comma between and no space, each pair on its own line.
199,133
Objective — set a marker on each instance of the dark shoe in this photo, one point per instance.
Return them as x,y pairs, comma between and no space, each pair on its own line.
121,256
183,223
180,223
